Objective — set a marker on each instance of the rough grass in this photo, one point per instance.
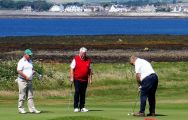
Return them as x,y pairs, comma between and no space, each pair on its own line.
108,49
98,39
115,80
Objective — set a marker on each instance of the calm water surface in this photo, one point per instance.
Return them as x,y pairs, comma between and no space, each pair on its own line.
92,26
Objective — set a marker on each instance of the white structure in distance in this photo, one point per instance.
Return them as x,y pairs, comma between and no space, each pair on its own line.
57,8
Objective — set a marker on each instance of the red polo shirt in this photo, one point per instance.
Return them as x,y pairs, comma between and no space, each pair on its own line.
82,68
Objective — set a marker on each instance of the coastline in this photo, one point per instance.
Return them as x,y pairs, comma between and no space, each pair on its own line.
33,14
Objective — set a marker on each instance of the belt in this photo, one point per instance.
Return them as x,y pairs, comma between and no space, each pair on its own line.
25,79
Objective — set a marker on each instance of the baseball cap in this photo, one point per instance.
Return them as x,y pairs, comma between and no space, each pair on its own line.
28,52
83,49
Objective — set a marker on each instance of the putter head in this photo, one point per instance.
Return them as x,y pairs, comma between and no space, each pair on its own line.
130,114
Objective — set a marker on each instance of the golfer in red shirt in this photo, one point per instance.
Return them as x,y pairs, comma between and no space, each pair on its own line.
80,74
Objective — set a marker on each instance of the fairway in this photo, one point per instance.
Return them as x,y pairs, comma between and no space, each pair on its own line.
98,111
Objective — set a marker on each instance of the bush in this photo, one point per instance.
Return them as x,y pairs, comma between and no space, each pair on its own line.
8,74
53,78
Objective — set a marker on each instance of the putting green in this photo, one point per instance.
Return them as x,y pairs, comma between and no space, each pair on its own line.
98,111
81,118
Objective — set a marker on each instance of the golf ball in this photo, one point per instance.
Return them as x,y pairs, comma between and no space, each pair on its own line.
128,114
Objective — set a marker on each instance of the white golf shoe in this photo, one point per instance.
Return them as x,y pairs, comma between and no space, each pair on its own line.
84,110
35,111
76,110
22,111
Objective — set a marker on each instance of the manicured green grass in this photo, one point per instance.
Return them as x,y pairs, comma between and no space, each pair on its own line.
98,111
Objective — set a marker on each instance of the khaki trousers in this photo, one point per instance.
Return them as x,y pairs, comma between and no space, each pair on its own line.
25,90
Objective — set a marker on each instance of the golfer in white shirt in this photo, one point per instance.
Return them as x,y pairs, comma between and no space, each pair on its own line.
25,75
148,80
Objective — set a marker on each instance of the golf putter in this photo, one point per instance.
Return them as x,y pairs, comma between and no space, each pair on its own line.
136,101
70,96
134,104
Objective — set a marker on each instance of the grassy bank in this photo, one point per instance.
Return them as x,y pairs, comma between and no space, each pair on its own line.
100,42
116,80
102,49
97,39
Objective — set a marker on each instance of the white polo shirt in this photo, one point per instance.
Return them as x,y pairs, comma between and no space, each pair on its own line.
73,64
26,67
143,67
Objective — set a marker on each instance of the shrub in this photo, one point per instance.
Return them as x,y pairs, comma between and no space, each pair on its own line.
8,74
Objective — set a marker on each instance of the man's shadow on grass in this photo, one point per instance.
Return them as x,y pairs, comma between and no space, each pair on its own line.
42,112
45,111
95,110
160,115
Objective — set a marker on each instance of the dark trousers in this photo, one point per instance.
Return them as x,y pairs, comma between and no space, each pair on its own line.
148,90
80,94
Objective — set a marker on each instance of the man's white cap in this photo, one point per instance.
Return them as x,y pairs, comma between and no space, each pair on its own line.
83,49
